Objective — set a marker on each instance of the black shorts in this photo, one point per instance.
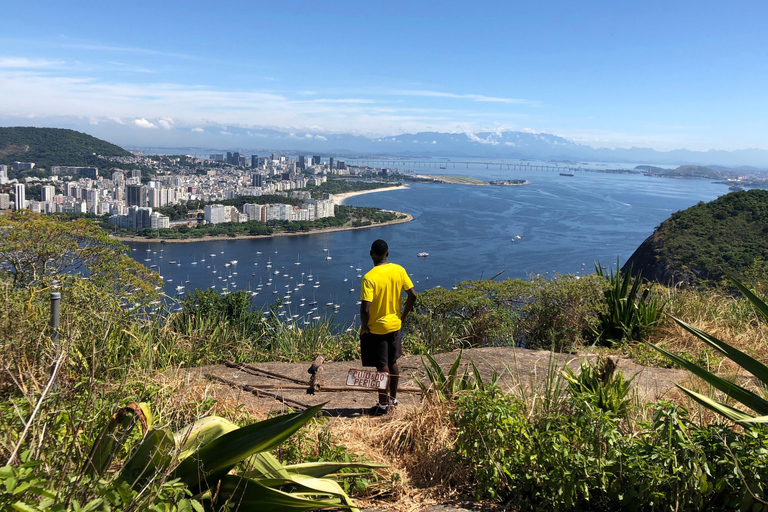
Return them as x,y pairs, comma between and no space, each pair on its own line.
381,350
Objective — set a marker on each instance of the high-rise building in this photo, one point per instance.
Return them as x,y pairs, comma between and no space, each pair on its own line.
136,173
47,192
315,160
235,158
5,201
229,157
136,195
330,164
20,192
257,180
254,161
302,164
3,174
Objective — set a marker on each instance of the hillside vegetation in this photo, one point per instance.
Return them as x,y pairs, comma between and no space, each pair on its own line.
708,240
697,171
54,146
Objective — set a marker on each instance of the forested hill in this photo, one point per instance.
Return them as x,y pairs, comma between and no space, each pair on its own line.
53,146
708,240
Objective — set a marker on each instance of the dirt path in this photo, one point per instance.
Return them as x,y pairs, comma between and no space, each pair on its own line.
517,368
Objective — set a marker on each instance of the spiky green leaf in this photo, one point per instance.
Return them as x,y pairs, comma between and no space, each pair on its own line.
719,407
750,364
734,391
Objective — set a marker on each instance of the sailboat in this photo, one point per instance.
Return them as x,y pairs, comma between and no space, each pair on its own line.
297,260
194,261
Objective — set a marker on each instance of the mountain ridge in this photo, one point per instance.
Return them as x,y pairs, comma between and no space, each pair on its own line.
518,145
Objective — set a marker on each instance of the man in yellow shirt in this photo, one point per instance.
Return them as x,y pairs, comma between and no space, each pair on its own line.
381,319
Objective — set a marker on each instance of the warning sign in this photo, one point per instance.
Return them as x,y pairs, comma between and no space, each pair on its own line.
367,379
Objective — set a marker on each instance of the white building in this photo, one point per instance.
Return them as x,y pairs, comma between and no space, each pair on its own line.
48,192
215,214
20,191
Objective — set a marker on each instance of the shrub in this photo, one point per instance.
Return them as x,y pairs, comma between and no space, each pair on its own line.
559,312
583,460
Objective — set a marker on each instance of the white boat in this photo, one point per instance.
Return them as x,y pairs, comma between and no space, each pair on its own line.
423,254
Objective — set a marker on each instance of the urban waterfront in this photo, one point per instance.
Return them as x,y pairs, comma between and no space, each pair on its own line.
557,224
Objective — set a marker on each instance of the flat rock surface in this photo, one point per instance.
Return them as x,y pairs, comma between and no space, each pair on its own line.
516,368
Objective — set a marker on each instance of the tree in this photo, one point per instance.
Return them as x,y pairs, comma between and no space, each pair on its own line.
37,250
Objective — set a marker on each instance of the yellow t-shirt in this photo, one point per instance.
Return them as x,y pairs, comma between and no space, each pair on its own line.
383,286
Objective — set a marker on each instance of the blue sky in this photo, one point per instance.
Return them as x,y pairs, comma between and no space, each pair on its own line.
661,74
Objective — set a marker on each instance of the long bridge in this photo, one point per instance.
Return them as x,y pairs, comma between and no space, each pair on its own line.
422,164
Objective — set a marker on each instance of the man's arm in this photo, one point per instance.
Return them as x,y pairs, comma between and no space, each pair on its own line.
365,315
408,303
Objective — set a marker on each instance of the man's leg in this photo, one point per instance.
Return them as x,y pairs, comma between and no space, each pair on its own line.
394,379
383,397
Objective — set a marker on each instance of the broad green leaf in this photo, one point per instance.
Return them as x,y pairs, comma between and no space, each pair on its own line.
215,459
323,485
320,469
154,454
23,507
202,432
113,436
255,495
265,465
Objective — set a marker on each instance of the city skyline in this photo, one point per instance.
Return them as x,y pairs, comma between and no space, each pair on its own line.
648,74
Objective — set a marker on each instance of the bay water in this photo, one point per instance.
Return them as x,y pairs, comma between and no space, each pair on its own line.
557,224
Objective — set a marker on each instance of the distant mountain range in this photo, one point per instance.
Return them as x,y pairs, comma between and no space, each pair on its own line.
50,143
503,144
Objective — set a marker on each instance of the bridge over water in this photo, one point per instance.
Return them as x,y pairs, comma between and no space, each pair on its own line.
416,165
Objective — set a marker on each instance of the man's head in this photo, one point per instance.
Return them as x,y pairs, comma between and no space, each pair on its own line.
379,250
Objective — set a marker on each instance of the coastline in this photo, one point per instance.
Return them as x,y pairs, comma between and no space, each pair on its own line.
337,199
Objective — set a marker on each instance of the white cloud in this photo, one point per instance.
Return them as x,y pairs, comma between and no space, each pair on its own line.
309,135
224,132
143,123
166,123
321,137
473,97
343,100
24,63
197,129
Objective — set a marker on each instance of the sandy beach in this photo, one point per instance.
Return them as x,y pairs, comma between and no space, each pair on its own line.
337,199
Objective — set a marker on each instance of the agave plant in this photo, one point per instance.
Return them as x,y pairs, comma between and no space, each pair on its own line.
631,310
733,391
203,455
601,383
444,386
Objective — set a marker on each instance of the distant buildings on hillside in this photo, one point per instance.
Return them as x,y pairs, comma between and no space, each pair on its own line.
130,201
